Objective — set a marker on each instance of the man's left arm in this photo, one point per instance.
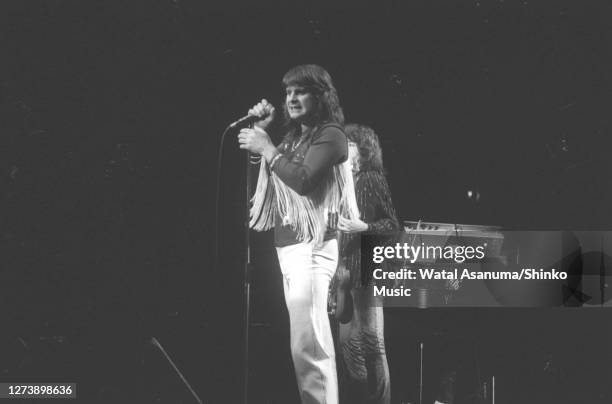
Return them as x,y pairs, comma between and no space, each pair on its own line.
327,149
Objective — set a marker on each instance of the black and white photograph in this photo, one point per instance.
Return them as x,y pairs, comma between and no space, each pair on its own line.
309,202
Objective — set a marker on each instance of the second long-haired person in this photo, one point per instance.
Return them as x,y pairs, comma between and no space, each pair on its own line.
362,341
303,182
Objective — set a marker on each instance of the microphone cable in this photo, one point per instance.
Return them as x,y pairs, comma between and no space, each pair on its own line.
218,197
252,160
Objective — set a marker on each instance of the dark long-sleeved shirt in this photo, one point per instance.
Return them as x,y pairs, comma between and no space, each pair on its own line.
304,168
376,209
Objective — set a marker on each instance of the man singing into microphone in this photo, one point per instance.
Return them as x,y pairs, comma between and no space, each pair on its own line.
303,185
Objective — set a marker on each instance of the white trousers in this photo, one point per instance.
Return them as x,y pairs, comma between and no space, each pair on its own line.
307,271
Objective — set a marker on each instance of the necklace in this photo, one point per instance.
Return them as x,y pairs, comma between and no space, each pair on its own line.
295,145
300,140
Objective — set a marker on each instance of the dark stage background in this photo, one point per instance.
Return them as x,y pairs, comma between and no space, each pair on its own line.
111,117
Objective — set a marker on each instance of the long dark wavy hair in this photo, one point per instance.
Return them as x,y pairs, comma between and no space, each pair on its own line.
370,153
317,81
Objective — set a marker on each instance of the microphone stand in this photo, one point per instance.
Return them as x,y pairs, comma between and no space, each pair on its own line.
247,281
247,264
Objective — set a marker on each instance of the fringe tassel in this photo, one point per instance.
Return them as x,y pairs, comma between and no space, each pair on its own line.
305,214
348,201
263,209
301,213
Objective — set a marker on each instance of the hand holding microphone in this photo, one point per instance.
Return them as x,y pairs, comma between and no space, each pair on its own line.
255,139
261,115
264,111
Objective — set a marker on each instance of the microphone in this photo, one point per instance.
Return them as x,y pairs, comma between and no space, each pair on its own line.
249,119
